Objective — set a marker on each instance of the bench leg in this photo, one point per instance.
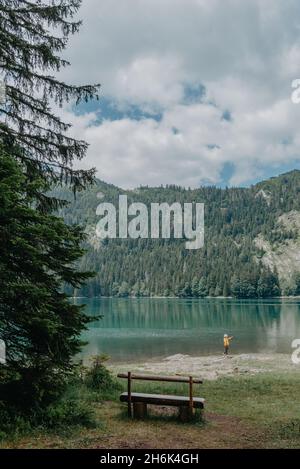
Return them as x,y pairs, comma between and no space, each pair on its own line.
185,414
139,410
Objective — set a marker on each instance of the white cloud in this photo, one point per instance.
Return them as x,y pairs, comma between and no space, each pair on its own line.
246,54
189,145
150,82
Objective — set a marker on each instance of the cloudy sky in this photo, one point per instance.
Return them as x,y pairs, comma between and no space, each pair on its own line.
193,91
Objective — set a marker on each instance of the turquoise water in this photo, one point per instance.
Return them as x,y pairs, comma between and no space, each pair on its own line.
152,328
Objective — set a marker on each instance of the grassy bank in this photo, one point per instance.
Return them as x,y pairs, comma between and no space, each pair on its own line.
260,411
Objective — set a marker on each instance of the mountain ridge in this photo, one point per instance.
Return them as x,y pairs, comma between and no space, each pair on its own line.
232,261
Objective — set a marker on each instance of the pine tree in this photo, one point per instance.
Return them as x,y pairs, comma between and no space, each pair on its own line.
186,291
195,287
38,323
296,281
225,290
202,289
29,52
115,289
268,285
235,286
218,291
123,290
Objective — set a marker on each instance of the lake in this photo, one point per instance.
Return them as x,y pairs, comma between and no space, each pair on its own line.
134,330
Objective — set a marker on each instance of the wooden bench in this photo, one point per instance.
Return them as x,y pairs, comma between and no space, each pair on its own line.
139,401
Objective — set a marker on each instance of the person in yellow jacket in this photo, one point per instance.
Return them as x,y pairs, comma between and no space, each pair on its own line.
227,340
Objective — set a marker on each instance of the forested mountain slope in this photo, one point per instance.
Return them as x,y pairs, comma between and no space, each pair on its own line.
252,241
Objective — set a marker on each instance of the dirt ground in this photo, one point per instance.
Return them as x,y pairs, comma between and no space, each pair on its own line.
218,431
213,366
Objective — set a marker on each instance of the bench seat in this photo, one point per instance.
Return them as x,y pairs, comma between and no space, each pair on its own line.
163,399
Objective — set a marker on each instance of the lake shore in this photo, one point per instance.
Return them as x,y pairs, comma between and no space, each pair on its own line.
220,297
213,367
255,405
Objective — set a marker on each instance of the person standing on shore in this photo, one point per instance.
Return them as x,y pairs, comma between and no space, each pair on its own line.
226,341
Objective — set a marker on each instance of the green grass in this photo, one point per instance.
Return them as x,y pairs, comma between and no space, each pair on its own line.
268,401
265,405
264,398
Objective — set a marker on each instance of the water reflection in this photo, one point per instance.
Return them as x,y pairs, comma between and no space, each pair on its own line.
138,329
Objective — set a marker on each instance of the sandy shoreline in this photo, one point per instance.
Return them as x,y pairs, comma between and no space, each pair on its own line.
214,366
